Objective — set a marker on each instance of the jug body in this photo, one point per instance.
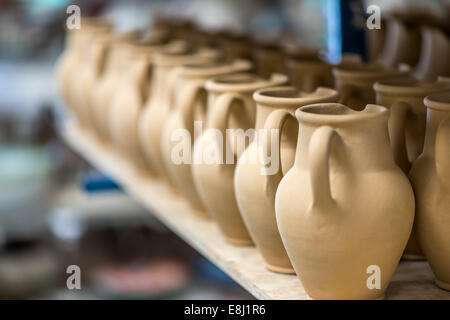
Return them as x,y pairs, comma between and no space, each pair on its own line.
342,212
230,117
262,165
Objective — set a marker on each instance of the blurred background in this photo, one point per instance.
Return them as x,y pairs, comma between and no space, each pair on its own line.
56,211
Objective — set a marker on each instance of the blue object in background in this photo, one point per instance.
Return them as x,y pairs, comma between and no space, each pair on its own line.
210,272
345,28
94,181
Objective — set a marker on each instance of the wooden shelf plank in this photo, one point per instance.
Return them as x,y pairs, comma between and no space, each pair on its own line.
412,280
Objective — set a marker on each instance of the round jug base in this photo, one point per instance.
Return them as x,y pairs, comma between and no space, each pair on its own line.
442,285
284,270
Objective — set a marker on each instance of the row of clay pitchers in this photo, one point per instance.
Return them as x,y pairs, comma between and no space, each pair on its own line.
338,202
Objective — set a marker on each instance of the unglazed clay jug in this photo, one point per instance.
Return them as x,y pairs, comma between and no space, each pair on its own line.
255,186
74,56
307,74
404,97
128,67
230,106
309,71
354,82
120,58
402,44
157,108
190,105
68,63
136,87
430,176
343,212
269,58
91,72
434,54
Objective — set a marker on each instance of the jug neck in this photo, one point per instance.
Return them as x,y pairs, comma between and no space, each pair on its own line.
360,146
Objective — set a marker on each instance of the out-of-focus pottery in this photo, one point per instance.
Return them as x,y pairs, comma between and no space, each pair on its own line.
190,106
430,176
231,110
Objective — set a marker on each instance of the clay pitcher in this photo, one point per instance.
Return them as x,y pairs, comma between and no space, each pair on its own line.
354,82
230,107
309,70
269,58
108,85
125,109
343,213
434,54
190,105
308,74
90,74
255,183
71,65
404,97
157,108
68,63
402,45
129,69
430,176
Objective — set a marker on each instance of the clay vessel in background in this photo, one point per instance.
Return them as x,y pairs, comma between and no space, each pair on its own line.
434,61
125,108
68,63
158,106
345,208
404,97
230,106
190,103
268,58
402,45
354,82
92,70
255,186
121,58
308,72
74,57
430,176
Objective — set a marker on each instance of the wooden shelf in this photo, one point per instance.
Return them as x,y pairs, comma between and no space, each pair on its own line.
412,280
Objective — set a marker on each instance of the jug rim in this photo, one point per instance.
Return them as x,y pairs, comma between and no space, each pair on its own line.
214,67
289,96
337,113
438,101
174,58
244,82
362,70
408,85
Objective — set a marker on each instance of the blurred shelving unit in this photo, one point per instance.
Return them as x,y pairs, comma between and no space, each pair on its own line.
412,280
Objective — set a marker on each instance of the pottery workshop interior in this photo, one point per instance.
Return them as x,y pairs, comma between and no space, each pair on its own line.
192,150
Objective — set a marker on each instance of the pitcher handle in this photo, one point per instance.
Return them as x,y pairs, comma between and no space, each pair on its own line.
224,105
188,98
275,121
318,162
397,126
442,152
